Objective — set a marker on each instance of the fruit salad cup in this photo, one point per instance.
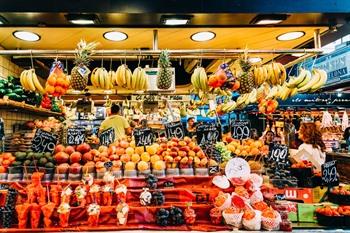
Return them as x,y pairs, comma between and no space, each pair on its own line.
66,195
94,213
55,191
122,213
22,214
107,195
63,214
35,212
95,194
189,214
48,210
215,216
80,193
121,191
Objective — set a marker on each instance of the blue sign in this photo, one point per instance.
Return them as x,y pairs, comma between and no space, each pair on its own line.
317,100
336,64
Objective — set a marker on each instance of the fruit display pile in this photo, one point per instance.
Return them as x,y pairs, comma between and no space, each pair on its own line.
247,147
124,155
32,160
57,83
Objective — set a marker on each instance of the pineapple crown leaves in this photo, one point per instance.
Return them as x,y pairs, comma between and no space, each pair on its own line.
83,52
164,59
244,61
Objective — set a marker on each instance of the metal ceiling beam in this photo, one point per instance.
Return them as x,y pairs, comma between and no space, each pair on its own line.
181,53
177,6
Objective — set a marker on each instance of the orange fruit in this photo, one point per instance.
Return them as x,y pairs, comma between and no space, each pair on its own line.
59,90
142,166
60,82
135,158
159,165
139,150
50,89
155,158
145,157
52,80
130,166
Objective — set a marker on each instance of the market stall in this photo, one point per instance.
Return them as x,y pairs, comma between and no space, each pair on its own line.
172,128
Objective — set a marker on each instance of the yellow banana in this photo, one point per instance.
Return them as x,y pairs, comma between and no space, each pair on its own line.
144,80
22,79
121,76
128,75
135,79
107,79
37,84
276,72
283,73
203,79
194,78
94,77
30,80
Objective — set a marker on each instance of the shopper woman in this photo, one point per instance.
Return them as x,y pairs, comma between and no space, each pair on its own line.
312,143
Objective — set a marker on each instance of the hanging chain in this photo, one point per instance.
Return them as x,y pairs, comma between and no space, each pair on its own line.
31,58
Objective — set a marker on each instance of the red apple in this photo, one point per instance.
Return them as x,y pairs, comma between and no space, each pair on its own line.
69,150
59,148
75,157
75,168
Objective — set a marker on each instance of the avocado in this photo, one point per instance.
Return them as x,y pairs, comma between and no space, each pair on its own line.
49,165
30,156
27,162
20,156
42,161
17,164
50,159
38,155
47,154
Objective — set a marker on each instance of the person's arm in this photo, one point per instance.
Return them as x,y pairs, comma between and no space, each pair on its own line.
102,127
127,127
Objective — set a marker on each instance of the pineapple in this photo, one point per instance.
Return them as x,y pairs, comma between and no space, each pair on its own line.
82,58
164,78
245,77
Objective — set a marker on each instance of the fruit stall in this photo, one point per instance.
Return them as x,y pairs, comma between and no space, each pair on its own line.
208,133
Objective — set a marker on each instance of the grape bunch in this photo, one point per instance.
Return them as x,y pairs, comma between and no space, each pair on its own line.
225,153
7,216
11,197
176,216
151,181
158,198
162,216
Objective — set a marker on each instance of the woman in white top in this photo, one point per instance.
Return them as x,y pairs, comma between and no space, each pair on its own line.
313,144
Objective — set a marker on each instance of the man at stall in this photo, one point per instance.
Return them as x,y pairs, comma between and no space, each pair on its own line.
117,122
191,127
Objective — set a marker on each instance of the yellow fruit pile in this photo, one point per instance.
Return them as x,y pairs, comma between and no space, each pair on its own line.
248,147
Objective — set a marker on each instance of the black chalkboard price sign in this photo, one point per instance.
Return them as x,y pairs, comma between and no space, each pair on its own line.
143,137
213,170
174,130
212,152
240,129
107,137
278,153
44,141
329,174
75,136
208,134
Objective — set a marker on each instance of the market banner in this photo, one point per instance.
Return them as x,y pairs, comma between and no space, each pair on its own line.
317,100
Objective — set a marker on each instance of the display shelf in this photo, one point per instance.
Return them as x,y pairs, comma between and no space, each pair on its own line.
21,106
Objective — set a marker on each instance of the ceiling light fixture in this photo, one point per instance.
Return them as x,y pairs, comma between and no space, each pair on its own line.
115,36
290,35
26,36
254,59
203,36
82,19
267,19
175,20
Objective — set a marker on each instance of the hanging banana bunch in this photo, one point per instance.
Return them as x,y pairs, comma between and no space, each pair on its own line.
138,80
199,80
123,75
100,78
30,82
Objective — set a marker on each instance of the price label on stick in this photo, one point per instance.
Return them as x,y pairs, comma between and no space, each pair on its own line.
329,174
213,170
107,137
75,136
143,137
240,129
208,134
44,141
278,153
174,129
